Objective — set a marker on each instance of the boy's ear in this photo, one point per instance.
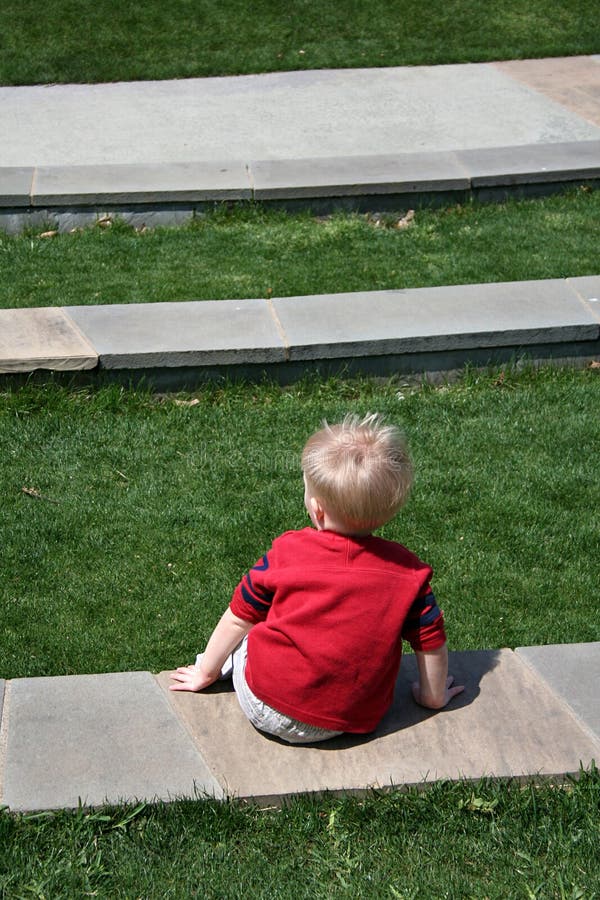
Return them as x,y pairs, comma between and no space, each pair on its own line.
317,509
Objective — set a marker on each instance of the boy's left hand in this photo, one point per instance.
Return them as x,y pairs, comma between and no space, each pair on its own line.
190,678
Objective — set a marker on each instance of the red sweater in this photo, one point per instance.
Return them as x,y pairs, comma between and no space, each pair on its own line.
330,612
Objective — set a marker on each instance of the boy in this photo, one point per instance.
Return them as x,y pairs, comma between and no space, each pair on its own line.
313,634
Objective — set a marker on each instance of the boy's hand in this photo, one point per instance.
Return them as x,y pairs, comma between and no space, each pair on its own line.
190,678
450,692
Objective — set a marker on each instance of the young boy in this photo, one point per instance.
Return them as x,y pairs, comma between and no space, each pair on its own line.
313,634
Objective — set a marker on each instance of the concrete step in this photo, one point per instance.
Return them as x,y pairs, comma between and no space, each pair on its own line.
124,737
171,193
382,332
159,152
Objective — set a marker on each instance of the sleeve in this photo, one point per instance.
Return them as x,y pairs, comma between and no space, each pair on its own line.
252,597
424,625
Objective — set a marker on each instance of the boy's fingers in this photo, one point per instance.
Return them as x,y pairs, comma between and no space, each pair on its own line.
457,689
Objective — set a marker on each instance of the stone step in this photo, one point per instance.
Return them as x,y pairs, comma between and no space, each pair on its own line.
125,737
71,196
413,330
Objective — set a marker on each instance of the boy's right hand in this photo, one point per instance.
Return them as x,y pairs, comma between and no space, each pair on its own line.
451,691
190,678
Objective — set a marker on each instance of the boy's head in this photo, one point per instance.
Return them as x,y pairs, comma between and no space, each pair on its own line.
358,471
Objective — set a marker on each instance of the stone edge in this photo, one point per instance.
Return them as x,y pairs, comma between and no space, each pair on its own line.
286,352
560,698
457,170
276,799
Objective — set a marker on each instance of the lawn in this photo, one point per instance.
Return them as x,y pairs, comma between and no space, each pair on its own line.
79,41
141,513
252,252
451,841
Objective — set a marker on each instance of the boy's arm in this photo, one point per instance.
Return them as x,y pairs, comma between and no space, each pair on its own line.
229,632
434,687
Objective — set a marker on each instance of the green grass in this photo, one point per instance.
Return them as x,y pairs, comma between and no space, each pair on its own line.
81,41
150,511
143,512
251,252
474,841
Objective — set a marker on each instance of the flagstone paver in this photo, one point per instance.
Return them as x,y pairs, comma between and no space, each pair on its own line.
532,163
15,186
117,184
350,175
507,723
572,81
96,739
208,332
42,339
434,319
573,672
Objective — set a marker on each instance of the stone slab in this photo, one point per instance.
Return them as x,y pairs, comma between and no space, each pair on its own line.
354,175
121,184
15,186
208,332
532,164
97,738
42,339
587,288
507,724
434,319
572,81
573,672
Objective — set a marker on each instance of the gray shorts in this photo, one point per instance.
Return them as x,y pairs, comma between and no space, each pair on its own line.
262,716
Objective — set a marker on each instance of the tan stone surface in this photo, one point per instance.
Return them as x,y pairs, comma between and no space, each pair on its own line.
572,81
507,723
42,339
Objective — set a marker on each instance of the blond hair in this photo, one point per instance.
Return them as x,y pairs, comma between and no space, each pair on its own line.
359,469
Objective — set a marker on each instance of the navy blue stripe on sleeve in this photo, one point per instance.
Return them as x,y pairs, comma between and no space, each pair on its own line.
425,610
253,601
256,595
259,593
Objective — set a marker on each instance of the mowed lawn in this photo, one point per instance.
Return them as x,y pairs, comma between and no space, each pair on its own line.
254,252
127,519
77,41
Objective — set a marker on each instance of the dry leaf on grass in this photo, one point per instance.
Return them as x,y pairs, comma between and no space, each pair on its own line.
193,402
48,234
33,492
406,221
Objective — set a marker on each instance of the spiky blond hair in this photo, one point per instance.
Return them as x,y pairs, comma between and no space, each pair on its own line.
359,469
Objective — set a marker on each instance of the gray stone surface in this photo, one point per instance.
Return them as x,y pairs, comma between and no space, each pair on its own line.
208,332
42,339
351,175
573,672
282,115
507,723
97,738
15,186
531,164
434,319
587,287
117,184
